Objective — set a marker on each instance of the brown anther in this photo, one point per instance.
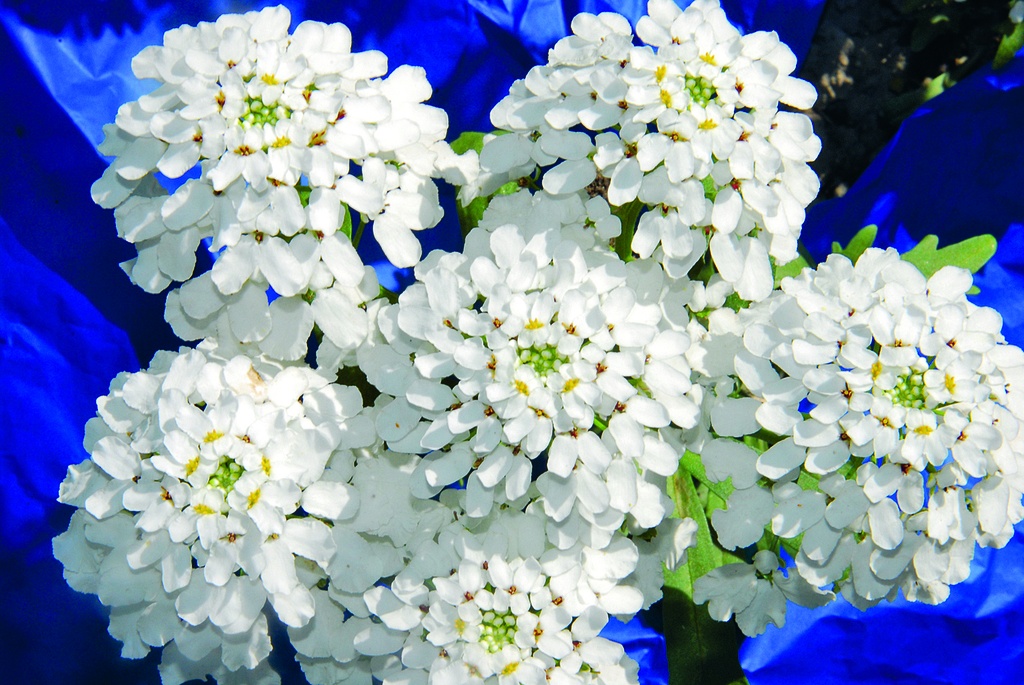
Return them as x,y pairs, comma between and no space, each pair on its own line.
485,565
601,368
847,393
497,322
569,328
166,495
135,479
258,236
232,537
952,343
424,608
739,87
221,99
620,407
342,113
512,590
523,182
744,136
557,601
537,632
599,186
623,63
735,185
244,151
318,138
516,450
575,432
623,104
468,597
488,411
198,137
476,465
448,323
885,422
576,644
961,437
232,64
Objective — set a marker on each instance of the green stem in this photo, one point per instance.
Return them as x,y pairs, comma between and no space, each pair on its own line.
701,650
359,231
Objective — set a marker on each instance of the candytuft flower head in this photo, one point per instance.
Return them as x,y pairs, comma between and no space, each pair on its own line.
215,486
896,417
686,129
291,144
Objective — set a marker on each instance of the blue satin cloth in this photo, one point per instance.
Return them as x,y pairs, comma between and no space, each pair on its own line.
70,320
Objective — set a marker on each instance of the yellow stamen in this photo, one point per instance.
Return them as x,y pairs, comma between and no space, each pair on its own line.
876,370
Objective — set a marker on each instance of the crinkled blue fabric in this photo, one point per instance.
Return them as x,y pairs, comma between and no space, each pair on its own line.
953,170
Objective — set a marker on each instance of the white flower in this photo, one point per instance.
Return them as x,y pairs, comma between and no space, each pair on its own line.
214,486
277,124
896,395
688,126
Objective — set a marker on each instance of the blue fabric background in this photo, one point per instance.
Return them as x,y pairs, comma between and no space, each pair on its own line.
70,320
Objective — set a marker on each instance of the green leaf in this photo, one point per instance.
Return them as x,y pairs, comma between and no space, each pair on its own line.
1009,46
701,650
469,140
470,215
792,268
346,223
864,239
970,254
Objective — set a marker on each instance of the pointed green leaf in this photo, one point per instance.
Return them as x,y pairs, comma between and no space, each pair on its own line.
346,223
970,254
1009,46
864,239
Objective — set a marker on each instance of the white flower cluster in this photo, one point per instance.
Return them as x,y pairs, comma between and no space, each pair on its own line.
218,486
895,408
525,346
507,491
214,487
293,136
688,126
